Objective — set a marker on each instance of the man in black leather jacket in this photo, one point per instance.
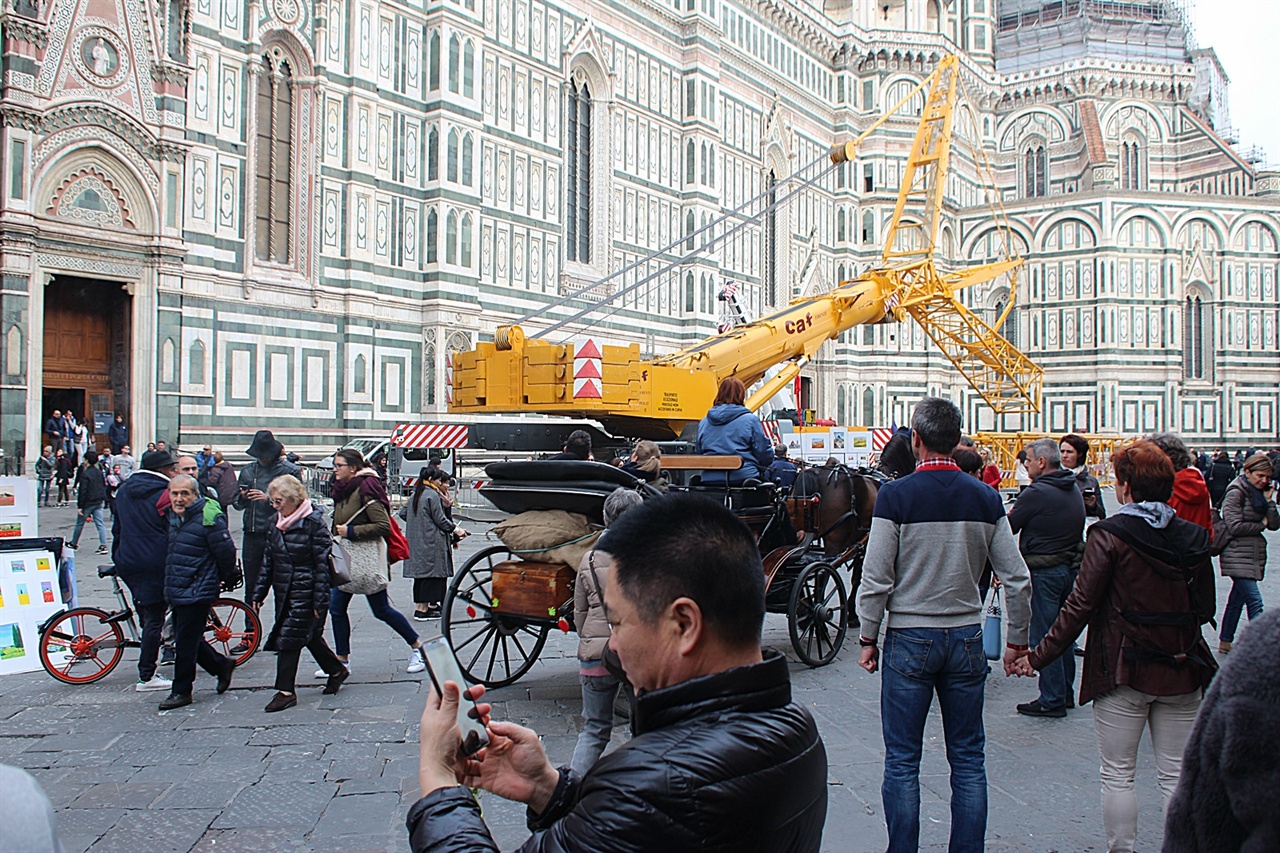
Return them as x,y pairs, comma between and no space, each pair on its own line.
722,758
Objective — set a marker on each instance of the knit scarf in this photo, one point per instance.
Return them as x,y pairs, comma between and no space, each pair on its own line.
366,480
1256,498
284,522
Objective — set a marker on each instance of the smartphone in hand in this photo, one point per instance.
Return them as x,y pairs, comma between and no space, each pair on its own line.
442,666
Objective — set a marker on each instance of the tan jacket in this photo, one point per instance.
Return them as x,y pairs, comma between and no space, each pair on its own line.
588,607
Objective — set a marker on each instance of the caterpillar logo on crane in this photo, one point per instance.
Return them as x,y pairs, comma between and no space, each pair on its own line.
796,326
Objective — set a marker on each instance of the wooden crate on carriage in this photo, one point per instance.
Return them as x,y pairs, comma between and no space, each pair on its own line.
533,590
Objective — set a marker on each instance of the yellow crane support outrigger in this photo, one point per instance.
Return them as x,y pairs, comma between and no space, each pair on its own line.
660,397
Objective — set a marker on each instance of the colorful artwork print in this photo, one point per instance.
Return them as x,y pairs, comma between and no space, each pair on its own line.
42,564
8,496
10,530
18,566
46,592
11,642
23,597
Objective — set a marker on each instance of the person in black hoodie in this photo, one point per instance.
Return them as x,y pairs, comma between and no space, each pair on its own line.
1049,518
91,496
1221,473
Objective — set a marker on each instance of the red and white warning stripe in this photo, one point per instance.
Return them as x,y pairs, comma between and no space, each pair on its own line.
588,380
771,430
880,437
429,435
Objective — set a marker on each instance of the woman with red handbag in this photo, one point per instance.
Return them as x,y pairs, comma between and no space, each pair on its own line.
362,519
432,536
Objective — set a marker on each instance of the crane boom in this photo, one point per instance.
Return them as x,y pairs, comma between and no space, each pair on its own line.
660,397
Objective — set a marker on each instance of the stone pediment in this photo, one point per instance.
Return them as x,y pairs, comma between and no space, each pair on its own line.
101,51
1195,266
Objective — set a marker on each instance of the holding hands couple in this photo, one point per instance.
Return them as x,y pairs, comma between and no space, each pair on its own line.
1017,659
513,765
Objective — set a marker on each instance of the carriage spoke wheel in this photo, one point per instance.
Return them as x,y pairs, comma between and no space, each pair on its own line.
818,615
492,649
233,629
79,647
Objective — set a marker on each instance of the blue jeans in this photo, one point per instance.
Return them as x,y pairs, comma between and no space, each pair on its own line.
382,609
916,663
94,512
42,493
1049,590
598,695
1244,594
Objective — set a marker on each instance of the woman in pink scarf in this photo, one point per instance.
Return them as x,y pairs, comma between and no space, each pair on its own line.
296,568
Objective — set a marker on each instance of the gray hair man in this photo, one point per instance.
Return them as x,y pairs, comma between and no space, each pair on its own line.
931,537
1049,520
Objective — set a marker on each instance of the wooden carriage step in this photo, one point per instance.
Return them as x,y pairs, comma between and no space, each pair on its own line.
533,590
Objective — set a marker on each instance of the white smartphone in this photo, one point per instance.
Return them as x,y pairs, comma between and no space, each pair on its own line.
442,666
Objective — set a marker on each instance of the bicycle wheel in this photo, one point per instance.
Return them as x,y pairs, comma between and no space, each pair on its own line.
221,632
80,646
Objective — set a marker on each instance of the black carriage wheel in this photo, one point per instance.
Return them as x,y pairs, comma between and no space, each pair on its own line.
818,615
492,649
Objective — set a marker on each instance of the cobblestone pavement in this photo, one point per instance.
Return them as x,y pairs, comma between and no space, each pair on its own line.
340,772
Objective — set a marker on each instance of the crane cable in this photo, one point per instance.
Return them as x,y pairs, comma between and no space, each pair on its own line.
669,265
735,213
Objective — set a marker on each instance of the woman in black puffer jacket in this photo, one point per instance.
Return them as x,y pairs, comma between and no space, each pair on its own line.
296,568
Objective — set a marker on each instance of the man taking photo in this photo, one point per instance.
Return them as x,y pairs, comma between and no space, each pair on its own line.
722,759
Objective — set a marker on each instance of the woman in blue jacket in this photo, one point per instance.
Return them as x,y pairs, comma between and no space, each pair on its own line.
730,429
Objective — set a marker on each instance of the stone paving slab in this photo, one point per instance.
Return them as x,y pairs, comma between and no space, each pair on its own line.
340,772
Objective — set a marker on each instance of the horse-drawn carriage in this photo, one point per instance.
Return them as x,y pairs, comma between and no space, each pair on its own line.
503,603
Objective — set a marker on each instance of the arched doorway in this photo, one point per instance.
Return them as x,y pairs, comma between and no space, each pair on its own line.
86,353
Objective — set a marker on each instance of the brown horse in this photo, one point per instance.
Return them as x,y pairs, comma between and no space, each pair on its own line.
833,506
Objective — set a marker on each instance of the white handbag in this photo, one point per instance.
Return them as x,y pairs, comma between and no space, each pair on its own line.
366,561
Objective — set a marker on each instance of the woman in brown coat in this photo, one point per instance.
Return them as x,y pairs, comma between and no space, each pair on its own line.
1248,508
1145,587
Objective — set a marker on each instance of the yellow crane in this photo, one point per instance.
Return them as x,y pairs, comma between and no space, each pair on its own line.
659,397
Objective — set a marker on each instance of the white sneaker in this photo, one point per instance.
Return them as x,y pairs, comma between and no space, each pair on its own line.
157,682
320,673
417,663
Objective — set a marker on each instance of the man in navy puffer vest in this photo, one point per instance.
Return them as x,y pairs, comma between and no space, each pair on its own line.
201,554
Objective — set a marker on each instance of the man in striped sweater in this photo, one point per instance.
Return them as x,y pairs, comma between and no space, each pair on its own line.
932,534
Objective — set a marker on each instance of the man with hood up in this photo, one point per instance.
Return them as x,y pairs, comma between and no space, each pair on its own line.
730,429
1049,518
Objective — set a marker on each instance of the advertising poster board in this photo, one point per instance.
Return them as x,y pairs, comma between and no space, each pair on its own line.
17,508
29,595
816,447
858,448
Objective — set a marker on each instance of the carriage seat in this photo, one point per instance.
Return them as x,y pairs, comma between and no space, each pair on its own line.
570,485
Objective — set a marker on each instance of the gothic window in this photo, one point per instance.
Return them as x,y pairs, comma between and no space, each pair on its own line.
840,231
274,151
1035,172
195,362
1194,336
1131,171
842,404
465,238
469,70
868,227
688,293
711,166
433,63
771,239
690,162
868,405
359,378
466,160
1009,330
176,32
451,238
451,162
433,155
432,229
455,64
704,163
688,231
578,169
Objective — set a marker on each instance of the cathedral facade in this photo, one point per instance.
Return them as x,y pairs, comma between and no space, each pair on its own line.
223,215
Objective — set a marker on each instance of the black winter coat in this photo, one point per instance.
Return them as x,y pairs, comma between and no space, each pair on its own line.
200,554
91,487
726,762
296,568
140,536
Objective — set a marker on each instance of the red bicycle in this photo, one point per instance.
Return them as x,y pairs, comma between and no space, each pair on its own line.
83,645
